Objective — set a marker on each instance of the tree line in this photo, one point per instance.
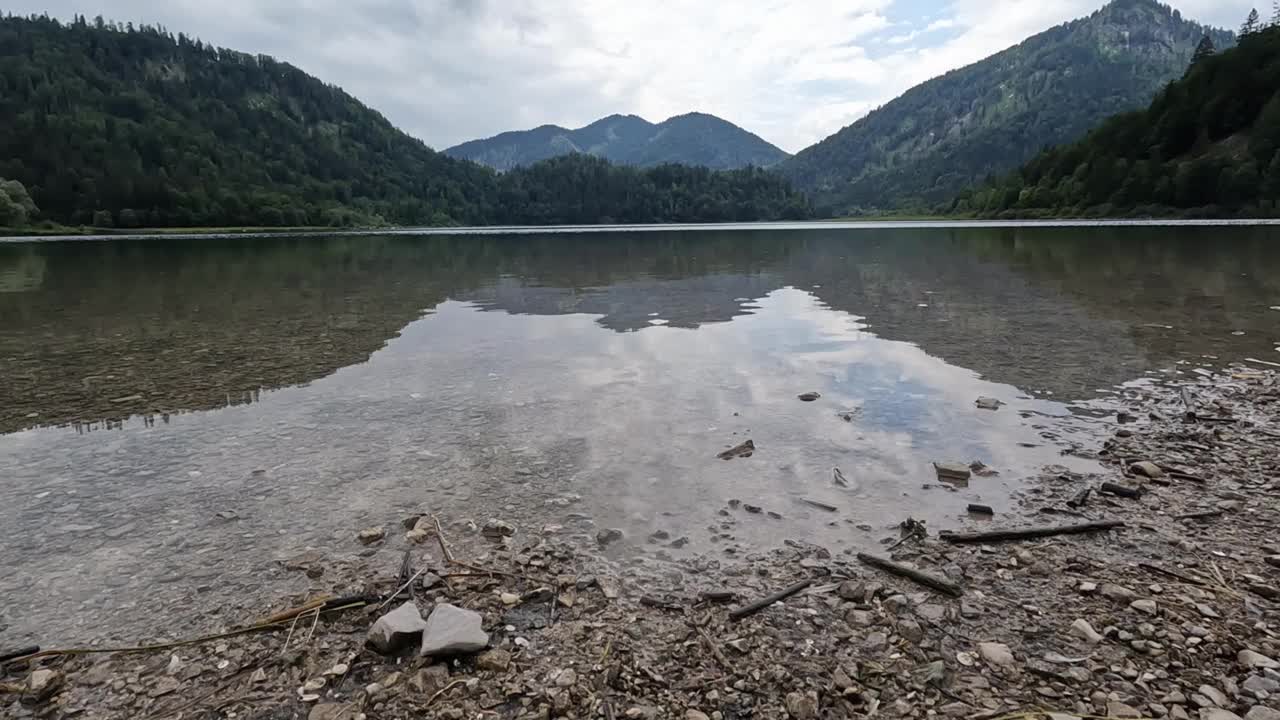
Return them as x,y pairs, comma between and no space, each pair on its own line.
123,126
1206,147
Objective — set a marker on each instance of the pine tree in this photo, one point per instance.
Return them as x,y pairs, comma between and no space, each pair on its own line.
1275,13
1204,49
1250,24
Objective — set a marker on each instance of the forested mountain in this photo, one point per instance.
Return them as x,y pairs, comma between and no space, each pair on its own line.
1209,145
692,139
133,127
921,149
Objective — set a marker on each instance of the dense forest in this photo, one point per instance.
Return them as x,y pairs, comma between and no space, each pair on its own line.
1206,147
946,134
690,139
117,126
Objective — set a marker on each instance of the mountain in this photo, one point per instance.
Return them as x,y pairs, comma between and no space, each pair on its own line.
1208,146
692,139
990,117
133,127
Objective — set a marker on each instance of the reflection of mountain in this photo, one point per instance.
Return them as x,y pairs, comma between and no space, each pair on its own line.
87,327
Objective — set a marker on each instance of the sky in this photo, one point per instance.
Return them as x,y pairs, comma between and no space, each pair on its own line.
447,71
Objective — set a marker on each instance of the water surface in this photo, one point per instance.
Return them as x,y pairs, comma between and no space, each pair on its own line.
313,386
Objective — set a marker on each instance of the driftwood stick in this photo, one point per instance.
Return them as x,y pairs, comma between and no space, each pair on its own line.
1202,515
923,578
758,605
819,505
1169,573
1028,533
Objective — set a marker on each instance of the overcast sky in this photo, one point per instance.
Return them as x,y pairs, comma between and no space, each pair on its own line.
791,71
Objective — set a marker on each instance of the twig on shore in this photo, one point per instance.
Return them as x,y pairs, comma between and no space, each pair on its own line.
1169,573
922,578
401,589
444,690
1029,533
758,605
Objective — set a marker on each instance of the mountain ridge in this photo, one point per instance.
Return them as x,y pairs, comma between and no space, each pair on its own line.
988,117
692,138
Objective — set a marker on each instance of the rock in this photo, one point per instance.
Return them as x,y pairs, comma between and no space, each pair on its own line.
997,654
1214,694
911,631
859,618
397,630
451,630
1147,606
1259,686
1261,712
1147,469
743,450
1088,588
1217,714
693,715
494,660
952,471
43,684
164,686
369,536
497,529
509,599
1207,611
875,642
1118,593
852,591
1251,659
1174,698
802,706
988,403
809,396
611,535
565,678
1273,560
429,681
643,712
332,711
1117,709
1081,628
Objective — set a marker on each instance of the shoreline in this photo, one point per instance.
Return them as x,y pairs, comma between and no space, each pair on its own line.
1170,616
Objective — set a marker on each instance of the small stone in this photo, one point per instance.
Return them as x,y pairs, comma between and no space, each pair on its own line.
802,706
1174,698
1214,694
43,684
1117,709
997,654
606,537
396,630
1261,712
369,536
988,403
1251,659
1088,588
565,678
911,631
452,630
1081,628
809,396
1207,611
875,642
1217,714
1147,606
693,715
859,618
509,599
494,660
1118,593
495,529
1147,469
164,686
952,471
852,590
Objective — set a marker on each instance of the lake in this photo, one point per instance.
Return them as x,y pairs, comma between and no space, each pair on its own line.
180,414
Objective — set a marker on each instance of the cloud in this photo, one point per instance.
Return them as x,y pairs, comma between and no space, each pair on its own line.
792,71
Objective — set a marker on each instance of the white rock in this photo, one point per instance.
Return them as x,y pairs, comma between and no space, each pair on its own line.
1217,714
452,630
1251,659
997,654
1082,629
1260,712
396,630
